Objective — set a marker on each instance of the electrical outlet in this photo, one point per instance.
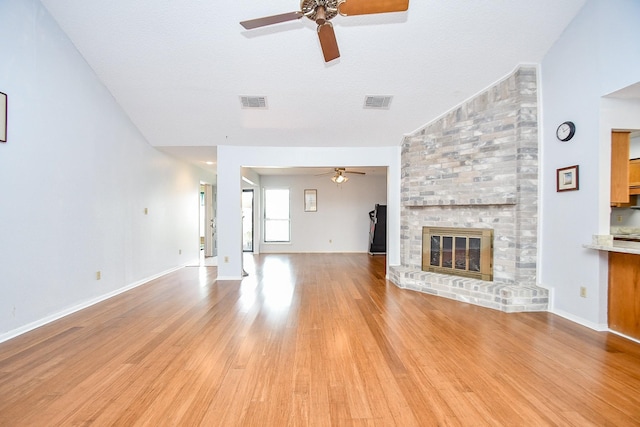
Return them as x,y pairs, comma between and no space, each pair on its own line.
226,259
179,251
619,218
98,275
583,292
330,241
146,211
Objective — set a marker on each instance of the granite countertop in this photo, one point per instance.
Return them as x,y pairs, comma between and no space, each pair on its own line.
611,242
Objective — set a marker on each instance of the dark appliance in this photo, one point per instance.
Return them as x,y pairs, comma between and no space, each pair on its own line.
378,230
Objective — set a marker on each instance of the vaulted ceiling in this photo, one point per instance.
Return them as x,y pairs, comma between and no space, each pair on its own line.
179,67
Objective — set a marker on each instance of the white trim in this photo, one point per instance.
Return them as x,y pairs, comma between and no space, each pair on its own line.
600,327
52,318
321,252
542,181
219,278
624,336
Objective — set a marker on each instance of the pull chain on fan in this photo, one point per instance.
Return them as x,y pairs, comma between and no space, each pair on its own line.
322,11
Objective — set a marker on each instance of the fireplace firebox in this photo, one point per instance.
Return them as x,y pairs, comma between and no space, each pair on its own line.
466,252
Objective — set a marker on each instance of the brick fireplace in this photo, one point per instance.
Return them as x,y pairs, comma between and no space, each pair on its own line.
476,167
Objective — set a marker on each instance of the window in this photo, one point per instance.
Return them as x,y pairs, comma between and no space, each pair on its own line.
276,215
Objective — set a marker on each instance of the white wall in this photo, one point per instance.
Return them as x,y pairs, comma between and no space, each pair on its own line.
341,223
596,55
231,159
628,218
634,151
75,178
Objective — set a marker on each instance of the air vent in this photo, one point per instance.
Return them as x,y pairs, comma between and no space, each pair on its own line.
377,102
259,102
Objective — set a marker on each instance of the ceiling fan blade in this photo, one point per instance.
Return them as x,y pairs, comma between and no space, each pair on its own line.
333,172
364,7
356,172
270,20
328,42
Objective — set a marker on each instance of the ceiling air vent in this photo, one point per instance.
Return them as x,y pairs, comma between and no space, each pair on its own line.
377,102
259,102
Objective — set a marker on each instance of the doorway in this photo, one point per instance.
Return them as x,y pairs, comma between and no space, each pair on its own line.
208,243
247,220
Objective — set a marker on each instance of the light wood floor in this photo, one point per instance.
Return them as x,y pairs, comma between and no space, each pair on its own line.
312,340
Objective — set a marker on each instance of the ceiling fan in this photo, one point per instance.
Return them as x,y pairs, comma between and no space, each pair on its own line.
322,11
339,176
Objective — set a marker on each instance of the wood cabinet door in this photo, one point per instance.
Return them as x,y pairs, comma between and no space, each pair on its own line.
634,176
624,293
620,167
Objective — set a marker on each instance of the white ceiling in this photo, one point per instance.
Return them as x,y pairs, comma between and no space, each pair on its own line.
629,92
178,67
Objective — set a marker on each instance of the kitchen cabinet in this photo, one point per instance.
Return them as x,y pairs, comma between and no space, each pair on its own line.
634,176
620,168
624,293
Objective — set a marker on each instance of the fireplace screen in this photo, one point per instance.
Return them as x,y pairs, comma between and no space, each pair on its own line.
465,252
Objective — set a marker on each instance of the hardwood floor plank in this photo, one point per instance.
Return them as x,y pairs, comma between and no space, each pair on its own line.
312,339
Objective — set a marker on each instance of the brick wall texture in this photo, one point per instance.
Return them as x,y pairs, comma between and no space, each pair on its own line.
477,166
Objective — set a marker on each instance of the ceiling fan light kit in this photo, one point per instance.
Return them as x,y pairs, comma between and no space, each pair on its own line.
339,175
339,178
322,11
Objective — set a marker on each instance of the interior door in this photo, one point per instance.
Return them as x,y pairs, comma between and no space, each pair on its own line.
210,245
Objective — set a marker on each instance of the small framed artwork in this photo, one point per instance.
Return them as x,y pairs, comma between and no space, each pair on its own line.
3,117
310,200
567,178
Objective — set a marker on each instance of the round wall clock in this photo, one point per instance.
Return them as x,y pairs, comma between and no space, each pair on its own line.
566,131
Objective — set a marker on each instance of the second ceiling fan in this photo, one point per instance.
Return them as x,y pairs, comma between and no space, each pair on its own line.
339,175
322,11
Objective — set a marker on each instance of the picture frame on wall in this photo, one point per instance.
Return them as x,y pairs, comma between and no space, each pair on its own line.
310,200
567,179
3,117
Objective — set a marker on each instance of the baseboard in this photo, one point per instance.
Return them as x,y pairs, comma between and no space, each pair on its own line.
579,320
625,336
289,252
573,318
45,320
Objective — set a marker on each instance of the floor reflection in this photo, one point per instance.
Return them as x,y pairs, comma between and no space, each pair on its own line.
248,292
203,277
273,284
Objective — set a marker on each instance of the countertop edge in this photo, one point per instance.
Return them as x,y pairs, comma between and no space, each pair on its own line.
616,247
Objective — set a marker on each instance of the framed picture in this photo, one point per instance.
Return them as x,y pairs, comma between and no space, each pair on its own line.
3,117
310,200
567,178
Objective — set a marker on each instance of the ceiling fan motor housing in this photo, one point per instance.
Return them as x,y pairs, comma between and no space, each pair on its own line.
310,9
322,11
